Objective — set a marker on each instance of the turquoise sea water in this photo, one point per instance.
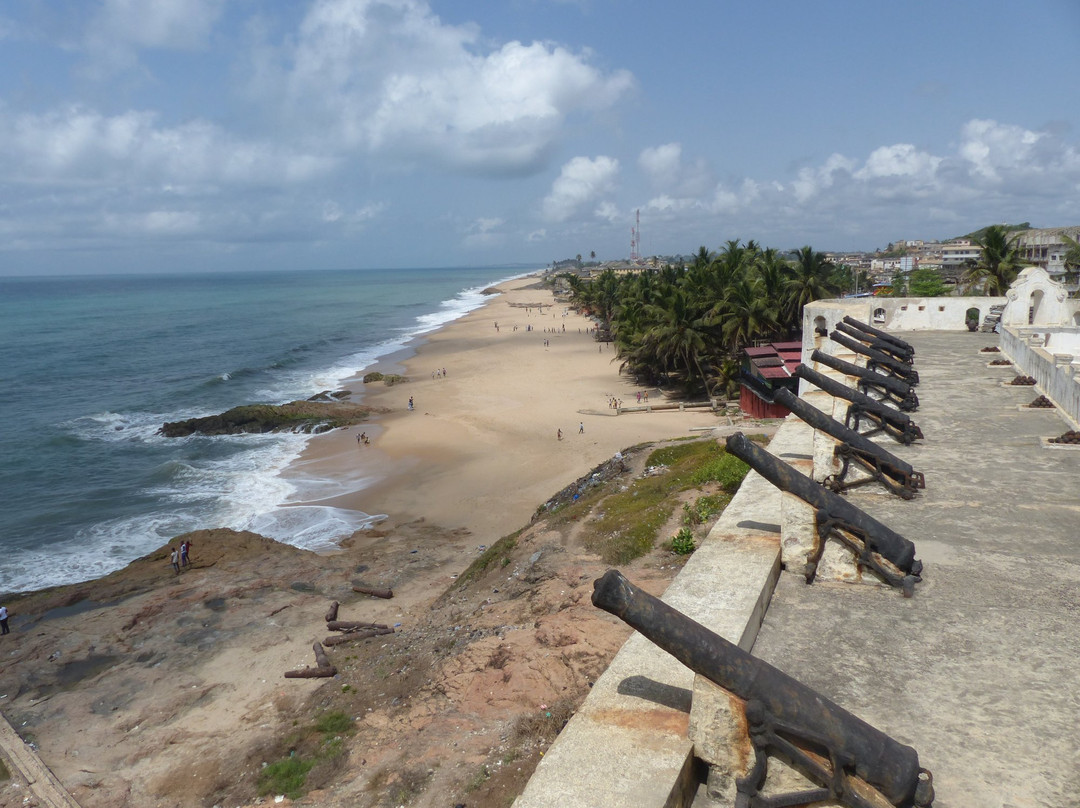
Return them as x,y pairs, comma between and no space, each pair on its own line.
90,367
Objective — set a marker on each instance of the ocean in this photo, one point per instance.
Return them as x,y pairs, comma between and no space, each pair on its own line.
91,367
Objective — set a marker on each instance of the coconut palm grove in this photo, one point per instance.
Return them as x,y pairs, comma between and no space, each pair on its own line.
685,326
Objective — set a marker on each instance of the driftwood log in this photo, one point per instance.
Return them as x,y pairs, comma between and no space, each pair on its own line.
378,593
338,639
351,625
332,613
322,669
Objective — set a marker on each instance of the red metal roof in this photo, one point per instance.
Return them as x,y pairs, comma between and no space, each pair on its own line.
774,373
764,350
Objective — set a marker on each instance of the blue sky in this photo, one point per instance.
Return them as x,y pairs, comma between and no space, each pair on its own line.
144,135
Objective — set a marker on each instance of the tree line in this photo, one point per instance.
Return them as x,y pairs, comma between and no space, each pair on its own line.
687,325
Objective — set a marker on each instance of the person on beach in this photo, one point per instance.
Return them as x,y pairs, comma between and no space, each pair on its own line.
581,428
557,432
174,559
184,554
3,621
410,403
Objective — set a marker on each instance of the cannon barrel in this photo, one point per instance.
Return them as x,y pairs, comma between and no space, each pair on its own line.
901,370
905,396
891,348
877,332
896,419
819,420
882,540
889,766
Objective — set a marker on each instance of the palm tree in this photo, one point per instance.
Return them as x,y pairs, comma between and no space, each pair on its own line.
679,336
998,265
810,280
748,313
1072,258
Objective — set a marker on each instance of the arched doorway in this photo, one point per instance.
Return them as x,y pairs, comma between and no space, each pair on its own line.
972,318
1033,306
821,326
879,315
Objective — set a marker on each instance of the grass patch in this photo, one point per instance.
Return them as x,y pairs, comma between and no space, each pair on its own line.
631,520
4,773
727,470
286,777
500,551
317,745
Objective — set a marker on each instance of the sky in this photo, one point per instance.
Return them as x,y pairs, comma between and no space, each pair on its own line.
207,135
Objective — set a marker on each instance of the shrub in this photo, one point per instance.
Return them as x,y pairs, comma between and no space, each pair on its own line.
374,376
682,543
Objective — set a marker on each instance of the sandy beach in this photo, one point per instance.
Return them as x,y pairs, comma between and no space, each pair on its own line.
174,681
480,449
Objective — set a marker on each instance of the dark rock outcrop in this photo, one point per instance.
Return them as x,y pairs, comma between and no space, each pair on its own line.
296,416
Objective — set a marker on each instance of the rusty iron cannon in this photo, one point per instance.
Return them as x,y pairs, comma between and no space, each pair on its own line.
890,388
901,354
882,335
876,546
878,359
883,467
849,760
894,423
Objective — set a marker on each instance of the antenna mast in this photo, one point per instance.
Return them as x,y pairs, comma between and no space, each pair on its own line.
635,237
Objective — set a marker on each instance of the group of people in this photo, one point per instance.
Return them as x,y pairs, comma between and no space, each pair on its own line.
438,373
180,557
363,440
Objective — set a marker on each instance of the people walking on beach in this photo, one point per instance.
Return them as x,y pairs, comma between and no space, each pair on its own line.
581,428
3,621
184,554
410,403
174,559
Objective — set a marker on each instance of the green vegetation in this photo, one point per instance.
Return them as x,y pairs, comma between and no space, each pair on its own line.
499,550
926,283
726,469
683,325
704,508
4,773
998,265
630,520
682,543
318,745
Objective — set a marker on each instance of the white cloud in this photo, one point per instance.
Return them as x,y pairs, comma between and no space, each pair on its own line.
333,214
812,181
581,181
172,24
391,77
75,144
666,172
900,160
119,29
483,232
661,162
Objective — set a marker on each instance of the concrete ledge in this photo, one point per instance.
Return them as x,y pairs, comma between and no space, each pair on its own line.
629,743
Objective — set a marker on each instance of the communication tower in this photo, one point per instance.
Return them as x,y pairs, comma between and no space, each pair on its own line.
635,238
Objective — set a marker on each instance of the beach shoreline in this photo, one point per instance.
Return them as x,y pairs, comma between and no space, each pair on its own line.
481,448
